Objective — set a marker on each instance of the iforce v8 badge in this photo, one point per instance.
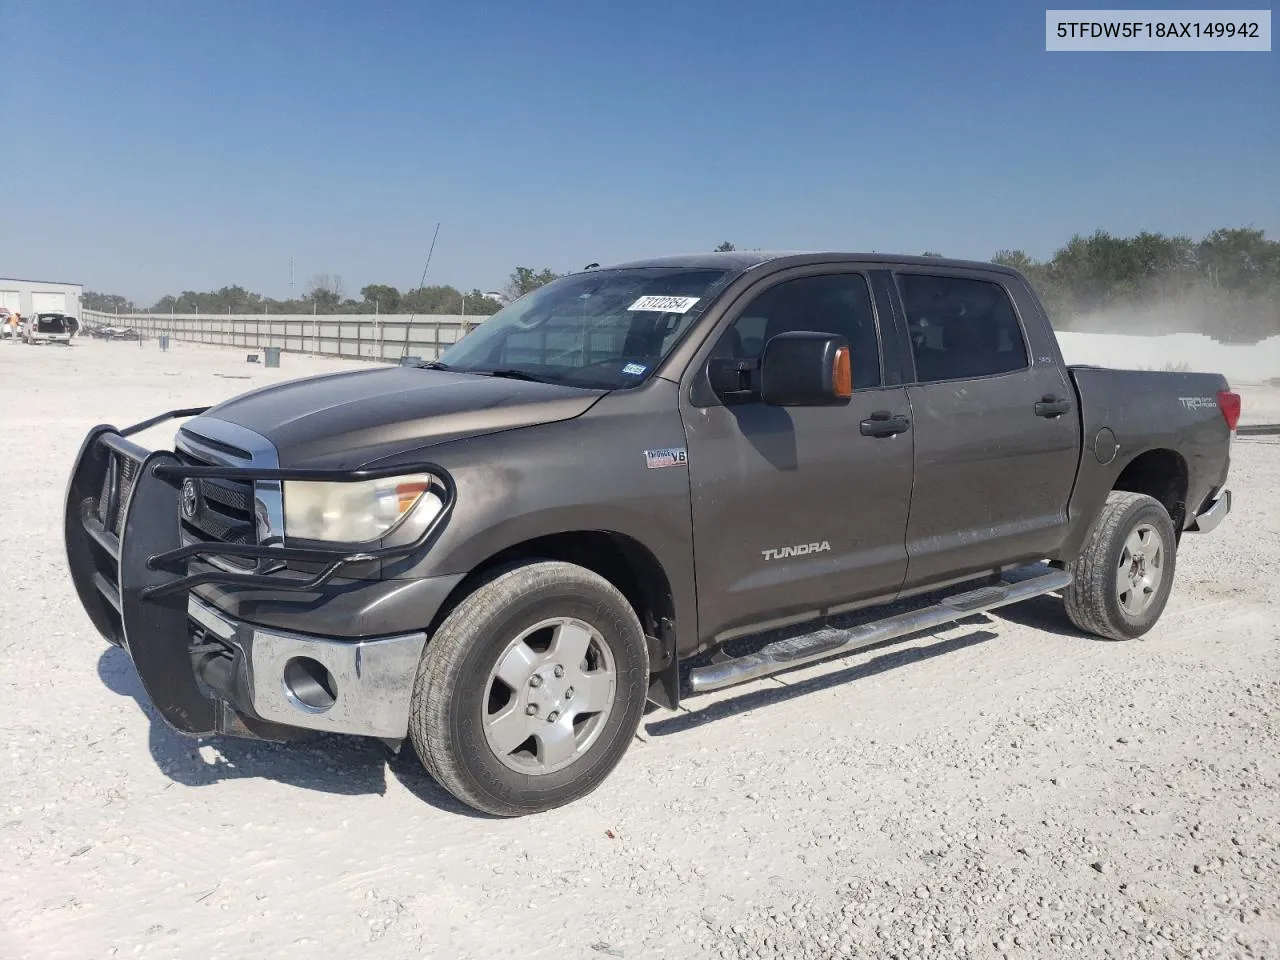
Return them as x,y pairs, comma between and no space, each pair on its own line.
669,457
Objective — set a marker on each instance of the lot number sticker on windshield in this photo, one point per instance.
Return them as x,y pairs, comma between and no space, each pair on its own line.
665,304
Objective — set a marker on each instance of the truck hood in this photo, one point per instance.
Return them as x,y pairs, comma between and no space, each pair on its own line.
345,420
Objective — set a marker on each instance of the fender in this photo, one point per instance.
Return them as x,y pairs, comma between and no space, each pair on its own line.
585,475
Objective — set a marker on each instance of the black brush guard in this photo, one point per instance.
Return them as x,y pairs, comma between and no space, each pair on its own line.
122,530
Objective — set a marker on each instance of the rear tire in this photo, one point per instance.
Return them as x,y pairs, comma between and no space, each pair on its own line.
1125,572
529,693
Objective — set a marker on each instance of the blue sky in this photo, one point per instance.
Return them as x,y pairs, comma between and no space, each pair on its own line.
155,147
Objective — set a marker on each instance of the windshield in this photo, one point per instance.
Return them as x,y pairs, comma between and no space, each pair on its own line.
603,328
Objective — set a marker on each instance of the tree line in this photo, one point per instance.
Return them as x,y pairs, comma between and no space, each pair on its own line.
1226,284
326,295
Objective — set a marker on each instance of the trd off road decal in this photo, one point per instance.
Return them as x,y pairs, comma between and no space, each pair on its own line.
668,457
1198,403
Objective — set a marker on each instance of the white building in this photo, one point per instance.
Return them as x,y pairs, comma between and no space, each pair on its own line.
30,297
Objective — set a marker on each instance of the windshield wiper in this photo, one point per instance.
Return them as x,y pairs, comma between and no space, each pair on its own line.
432,365
513,374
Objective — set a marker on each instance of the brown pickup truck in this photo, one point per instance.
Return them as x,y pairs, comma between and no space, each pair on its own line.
617,490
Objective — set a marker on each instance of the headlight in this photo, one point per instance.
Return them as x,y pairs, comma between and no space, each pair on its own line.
356,512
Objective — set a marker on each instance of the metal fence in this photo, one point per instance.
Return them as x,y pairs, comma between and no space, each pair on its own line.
365,337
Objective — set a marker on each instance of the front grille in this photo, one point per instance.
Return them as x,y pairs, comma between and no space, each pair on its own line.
224,510
104,497
122,473
128,474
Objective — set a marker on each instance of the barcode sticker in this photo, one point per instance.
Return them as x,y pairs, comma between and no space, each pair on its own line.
665,304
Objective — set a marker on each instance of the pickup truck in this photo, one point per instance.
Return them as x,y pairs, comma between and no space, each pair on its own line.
617,491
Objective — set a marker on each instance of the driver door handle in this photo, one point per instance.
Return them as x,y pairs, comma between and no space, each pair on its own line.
883,424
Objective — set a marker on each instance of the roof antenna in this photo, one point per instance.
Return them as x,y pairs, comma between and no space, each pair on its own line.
405,348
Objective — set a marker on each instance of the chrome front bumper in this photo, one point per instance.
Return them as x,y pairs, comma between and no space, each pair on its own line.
338,686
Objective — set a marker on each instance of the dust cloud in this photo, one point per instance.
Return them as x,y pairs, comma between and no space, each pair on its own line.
1242,321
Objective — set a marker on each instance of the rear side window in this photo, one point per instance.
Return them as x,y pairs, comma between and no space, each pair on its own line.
961,328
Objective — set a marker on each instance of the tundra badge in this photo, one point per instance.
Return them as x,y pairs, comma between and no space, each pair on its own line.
799,550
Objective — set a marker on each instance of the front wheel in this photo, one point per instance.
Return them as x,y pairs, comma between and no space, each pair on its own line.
1125,572
530,691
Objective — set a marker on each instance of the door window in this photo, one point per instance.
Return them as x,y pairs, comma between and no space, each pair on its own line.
961,328
835,303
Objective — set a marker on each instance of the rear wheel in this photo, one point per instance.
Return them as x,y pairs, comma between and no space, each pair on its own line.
1125,572
530,691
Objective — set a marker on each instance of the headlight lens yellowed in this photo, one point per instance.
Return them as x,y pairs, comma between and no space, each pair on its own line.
356,512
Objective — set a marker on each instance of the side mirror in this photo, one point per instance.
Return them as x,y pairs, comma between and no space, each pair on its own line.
802,368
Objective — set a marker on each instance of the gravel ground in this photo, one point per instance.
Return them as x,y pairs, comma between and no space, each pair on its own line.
1005,787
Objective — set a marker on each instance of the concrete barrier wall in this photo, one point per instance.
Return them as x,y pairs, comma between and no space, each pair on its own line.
383,338
350,335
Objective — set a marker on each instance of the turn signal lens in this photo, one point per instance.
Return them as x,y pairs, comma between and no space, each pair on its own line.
842,374
408,493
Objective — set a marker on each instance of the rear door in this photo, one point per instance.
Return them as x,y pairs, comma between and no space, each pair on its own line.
798,510
997,435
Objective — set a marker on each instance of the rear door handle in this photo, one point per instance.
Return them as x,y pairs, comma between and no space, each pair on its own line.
1051,406
882,424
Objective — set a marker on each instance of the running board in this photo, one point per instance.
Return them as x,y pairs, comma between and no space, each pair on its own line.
831,641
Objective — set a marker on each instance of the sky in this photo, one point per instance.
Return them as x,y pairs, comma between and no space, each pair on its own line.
157,147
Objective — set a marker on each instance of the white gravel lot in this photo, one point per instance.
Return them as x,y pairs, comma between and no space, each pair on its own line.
1006,787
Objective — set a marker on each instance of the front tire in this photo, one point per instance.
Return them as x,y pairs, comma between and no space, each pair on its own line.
1125,572
529,693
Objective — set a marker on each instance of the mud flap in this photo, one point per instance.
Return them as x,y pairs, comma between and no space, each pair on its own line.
664,665
85,560
156,629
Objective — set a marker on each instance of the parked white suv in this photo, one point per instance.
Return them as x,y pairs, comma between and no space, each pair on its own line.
48,328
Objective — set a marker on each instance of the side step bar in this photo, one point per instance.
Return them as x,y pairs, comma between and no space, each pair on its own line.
830,641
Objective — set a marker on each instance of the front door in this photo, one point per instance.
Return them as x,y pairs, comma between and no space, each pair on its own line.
799,511
997,434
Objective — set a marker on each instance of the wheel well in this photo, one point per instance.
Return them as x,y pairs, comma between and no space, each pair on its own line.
624,562
1161,474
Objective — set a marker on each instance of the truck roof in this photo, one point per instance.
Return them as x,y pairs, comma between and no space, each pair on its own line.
743,260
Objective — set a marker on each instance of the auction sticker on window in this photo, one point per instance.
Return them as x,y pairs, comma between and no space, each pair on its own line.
665,304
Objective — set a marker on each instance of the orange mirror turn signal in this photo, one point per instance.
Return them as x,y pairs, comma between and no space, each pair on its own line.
842,374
